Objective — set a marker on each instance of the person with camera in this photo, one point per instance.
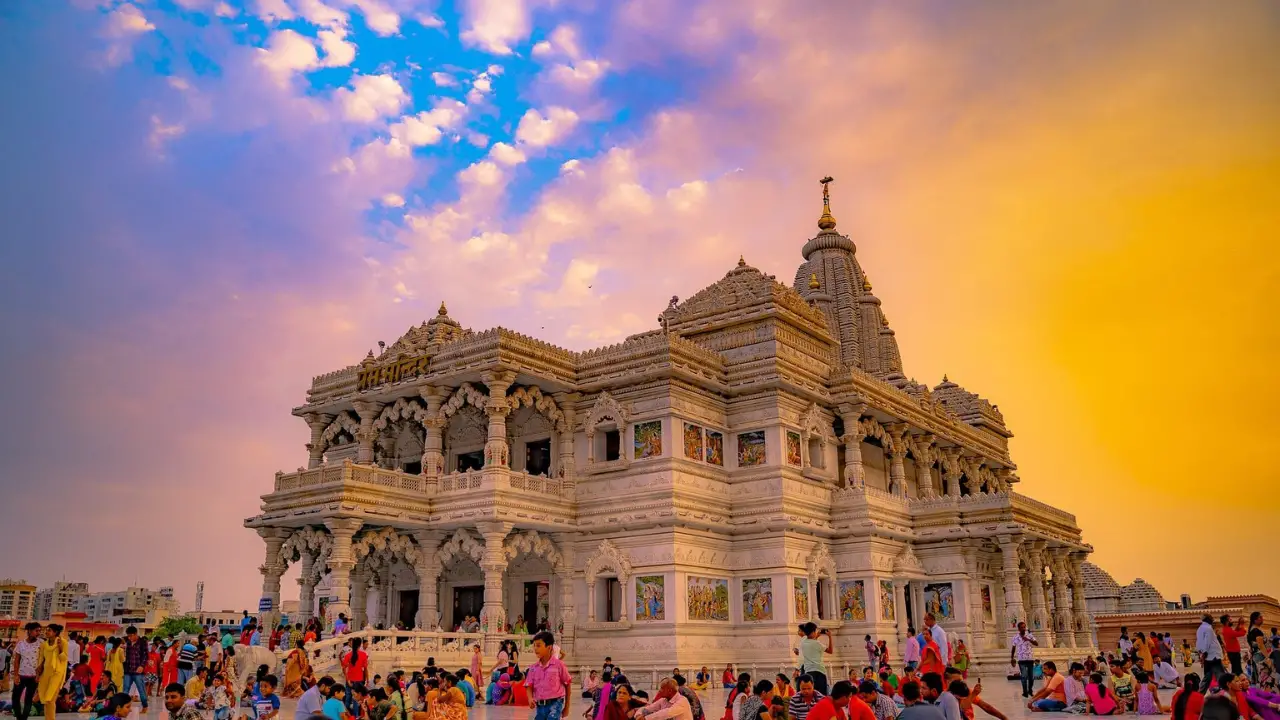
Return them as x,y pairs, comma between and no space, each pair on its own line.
814,644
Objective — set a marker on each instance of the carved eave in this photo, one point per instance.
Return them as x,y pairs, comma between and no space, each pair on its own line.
508,349
1046,521
652,355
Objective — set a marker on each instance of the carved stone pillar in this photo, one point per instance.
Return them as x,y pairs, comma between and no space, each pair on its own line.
341,562
1064,622
1079,606
565,629
272,569
1014,611
496,451
368,411
900,605
306,586
493,615
315,449
566,469
433,438
897,452
359,599
1035,582
977,623
428,570
951,470
851,418
923,449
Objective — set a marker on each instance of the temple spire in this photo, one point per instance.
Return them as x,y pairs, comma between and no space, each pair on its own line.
826,223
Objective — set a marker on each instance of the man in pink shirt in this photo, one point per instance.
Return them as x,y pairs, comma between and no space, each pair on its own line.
548,680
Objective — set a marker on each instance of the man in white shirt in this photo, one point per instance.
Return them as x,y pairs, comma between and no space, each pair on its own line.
1210,652
313,699
911,655
668,705
1165,675
939,637
1022,652
26,660
73,652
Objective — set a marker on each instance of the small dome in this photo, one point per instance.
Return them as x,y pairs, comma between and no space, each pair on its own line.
1140,596
1098,583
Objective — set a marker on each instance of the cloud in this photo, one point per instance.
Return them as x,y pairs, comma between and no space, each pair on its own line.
123,26
483,173
371,98
286,53
493,25
562,42
381,19
428,126
273,11
506,154
579,77
538,130
338,52
318,13
392,200
443,79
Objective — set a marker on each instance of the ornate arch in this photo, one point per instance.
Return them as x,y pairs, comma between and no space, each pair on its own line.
402,409
464,395
342,422
605,407
821,564
533,397
608,557
462,544
811,424
871,428
385,545
531,542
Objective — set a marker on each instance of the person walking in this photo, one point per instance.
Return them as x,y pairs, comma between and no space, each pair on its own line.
1210,652
26,663
135,665
52,669
911,651
1022,651
1231,634
548,680
932,627
811,653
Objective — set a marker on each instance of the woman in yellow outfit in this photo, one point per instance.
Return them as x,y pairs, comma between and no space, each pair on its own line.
51,667
115,662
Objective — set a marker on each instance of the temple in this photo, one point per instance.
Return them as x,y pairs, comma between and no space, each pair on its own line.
684,497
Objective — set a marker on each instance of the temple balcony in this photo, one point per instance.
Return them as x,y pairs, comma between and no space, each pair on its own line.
349,473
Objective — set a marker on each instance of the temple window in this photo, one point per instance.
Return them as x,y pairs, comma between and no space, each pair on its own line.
609,597
413,468
537,457
817,453
470,461
612,445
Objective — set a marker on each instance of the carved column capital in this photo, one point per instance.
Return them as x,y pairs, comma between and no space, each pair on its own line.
498,381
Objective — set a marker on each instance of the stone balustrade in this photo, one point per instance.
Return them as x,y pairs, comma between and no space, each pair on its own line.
349,472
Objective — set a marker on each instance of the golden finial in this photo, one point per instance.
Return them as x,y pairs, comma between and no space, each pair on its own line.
944,378
741,262
827,221
866,283
813,282
442,311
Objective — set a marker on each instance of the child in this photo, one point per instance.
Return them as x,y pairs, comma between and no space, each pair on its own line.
1148,696
335,708
266,703
221,699
117,707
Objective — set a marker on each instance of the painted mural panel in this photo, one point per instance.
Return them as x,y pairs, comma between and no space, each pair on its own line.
651,598
853,600
751,448
693,441
886,601
648,439
757,600
940,600
800,588
988,610
715,447
708,598
793,449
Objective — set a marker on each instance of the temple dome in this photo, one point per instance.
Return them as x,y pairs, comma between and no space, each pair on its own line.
1140,596
1098,583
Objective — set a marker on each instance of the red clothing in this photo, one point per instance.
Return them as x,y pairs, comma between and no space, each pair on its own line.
825,709
356,669
153,663
727,678
930,657
97,663
1195,704
519,695
83,674
1242,703
1231,640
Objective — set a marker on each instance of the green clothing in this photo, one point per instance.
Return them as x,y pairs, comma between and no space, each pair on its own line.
811,655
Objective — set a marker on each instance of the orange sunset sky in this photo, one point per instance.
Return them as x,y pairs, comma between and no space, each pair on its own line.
1069,208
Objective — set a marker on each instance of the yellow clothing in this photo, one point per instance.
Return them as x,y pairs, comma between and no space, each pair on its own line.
115,666
1144,654
195,688
53,670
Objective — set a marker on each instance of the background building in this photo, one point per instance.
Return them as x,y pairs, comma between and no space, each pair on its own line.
132,602
61,598
17,599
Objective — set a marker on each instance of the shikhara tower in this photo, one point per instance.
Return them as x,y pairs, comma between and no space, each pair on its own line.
682,497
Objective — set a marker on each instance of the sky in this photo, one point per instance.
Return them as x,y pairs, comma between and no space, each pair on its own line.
1068,207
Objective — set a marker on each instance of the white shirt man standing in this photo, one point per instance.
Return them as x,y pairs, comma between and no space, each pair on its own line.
939,637
1210,652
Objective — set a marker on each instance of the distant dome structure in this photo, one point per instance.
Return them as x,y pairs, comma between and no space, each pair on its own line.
1140,596
1101,591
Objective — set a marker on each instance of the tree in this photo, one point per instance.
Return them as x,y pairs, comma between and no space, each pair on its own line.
177,625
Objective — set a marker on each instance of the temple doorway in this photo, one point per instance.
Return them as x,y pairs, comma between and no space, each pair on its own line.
467,602
409,609
906,599
537,603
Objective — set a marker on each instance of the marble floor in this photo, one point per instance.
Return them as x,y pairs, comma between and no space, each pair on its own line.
1003,694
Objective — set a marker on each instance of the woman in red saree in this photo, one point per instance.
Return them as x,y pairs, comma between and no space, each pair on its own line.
170,666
